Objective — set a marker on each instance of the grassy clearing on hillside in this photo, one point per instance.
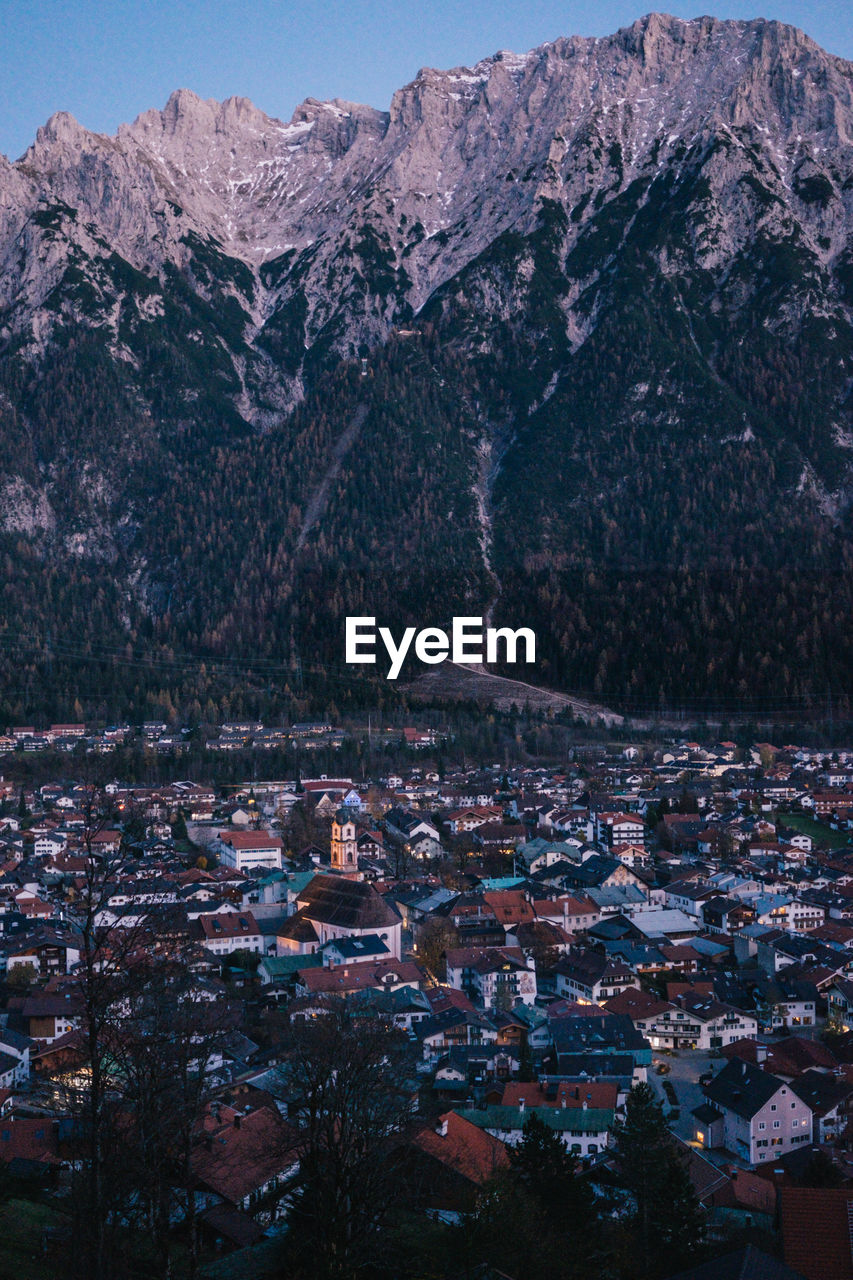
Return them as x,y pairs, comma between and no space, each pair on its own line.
819,832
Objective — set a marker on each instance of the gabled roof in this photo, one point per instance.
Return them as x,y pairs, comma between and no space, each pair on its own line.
742,1088
463,1147
816,1231
229,924
347,904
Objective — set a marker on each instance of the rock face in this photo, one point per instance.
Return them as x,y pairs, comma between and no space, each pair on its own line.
462,156
690,180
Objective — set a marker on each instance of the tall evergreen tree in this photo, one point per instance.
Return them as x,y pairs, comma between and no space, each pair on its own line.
667,1220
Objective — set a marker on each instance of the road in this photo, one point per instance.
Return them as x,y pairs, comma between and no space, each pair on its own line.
686,1070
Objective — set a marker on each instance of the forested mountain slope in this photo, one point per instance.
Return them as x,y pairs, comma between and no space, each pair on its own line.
604,293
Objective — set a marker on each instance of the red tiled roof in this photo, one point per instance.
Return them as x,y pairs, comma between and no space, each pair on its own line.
28,1140
469,1151
250,840
237,1154
359,976
598,1095
816,1235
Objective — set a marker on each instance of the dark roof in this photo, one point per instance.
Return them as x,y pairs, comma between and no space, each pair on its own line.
707,1113
821,1092
746,1264
742,1088
609,1033
298,928
596,1066
348,904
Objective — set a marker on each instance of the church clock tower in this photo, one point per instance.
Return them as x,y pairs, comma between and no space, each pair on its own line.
344,856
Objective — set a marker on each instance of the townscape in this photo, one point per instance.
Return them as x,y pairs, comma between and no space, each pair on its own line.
329,1024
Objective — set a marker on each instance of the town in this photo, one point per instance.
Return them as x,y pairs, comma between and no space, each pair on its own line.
593,1018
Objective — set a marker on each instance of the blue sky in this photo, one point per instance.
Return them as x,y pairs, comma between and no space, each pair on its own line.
107,60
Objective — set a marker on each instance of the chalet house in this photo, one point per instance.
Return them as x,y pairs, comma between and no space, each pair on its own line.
726,915
583,1131
462,820
466,1065
633,855
695,1021
241,1160
226,932
538,854
590,977
452,1026
510,907
575,915
619,828
752,1114
600,1044
50,844
690,897
597,1095
15,1050
329,794
830,1101
46,1017
476,923
411,827
49,949
363,975
454,1160
497,978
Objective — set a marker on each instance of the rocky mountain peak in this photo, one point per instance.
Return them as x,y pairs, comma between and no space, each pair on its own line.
62,129
573,271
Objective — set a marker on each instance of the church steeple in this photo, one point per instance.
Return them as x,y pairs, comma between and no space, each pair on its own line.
344,855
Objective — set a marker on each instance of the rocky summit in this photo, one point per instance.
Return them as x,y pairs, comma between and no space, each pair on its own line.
562,339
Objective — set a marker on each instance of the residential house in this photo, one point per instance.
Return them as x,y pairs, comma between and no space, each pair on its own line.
584,1131
226,932
246,850
495,977
752,1114
590,976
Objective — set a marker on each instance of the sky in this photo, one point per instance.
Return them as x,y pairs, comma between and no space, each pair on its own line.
105,61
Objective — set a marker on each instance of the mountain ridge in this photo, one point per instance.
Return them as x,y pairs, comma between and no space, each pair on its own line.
622,269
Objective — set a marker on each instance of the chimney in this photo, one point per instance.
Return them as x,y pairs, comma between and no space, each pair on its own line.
521,1104
441,1129
237,1119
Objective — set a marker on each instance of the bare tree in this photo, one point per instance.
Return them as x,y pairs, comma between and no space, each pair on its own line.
351,1072
167,1050
118,948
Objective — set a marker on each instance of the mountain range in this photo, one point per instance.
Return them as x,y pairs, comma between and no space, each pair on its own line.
564,339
